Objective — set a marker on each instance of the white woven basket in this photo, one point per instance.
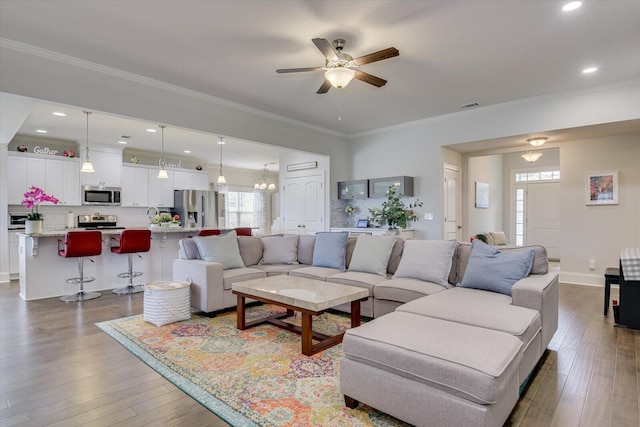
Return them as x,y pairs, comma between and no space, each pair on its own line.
167,302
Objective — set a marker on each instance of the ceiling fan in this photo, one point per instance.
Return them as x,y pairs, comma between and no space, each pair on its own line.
340,68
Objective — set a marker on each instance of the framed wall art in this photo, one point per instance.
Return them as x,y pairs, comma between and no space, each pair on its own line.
482,195
601,188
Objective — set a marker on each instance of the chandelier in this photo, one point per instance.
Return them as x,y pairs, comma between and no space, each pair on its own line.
531,156
264,182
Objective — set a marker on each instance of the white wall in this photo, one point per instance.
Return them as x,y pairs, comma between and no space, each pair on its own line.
598,232
487,169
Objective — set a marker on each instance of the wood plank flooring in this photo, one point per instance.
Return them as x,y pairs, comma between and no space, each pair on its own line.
58,369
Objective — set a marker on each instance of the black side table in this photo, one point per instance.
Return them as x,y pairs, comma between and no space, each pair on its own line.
611,277
629,302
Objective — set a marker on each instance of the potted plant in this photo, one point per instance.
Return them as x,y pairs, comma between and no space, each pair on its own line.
165,220
32,200
394,213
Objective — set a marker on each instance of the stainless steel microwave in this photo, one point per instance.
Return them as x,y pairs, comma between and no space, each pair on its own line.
101,196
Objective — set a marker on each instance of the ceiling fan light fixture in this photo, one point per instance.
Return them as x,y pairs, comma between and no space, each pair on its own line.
537,141
339,77
531,156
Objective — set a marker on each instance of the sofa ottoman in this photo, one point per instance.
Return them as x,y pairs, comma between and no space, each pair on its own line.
459,374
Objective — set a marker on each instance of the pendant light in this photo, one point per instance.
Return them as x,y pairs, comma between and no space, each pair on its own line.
87,166
162,173
221,178
531,156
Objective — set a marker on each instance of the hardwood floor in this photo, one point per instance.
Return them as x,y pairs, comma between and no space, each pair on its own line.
57,368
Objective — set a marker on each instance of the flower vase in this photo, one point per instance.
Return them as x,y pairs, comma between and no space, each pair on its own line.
33,226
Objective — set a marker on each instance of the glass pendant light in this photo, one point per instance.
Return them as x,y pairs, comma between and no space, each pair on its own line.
162,173
221,178
87,166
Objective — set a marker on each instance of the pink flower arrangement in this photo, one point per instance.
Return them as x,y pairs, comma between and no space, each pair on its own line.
69,153
32,200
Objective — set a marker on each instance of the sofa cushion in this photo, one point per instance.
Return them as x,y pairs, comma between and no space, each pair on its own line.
471,307
317,273
473,363
277,269
492,270
222,249
330,250
371,254
280,250
428,260
250,249
305,248
187,249
235,275
357,279
396,255
405,290
499,238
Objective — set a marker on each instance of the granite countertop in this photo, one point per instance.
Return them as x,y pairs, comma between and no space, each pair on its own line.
113,232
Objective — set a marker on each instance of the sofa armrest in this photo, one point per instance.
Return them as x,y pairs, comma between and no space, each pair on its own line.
539,292
206,282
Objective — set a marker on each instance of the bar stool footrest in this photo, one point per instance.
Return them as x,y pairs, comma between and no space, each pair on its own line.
80,280
127,275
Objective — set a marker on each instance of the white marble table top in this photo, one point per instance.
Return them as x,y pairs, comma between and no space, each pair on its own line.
309,294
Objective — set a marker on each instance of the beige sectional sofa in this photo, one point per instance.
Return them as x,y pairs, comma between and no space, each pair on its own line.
447,355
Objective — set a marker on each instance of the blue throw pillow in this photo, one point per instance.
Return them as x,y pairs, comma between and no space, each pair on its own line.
330,250
491,270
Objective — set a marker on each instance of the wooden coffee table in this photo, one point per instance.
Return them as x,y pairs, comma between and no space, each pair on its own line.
309,297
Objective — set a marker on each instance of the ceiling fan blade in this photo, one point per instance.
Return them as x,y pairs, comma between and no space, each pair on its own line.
377,56
368,78
297,70
326,49
325,87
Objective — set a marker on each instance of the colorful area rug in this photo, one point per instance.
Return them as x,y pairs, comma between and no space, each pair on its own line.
253,377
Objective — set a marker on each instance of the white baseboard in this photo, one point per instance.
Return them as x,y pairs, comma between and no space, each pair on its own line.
581,278
4,277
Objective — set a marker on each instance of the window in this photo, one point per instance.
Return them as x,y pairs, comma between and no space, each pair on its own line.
537,176
519,216
240,212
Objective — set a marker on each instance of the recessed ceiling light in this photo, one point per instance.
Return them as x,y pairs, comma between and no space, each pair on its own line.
41,131
122,142
572,5
187,151
589,70
59,114
151,130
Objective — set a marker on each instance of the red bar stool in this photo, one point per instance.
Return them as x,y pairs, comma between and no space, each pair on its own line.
131,242
80,244
209,233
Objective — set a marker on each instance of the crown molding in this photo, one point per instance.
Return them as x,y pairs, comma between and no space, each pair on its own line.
501,106
125,75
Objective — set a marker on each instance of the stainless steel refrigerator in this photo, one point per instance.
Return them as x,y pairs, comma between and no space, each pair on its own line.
199,208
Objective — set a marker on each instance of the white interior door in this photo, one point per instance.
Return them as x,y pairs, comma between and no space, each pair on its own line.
451,203
303,204
543,217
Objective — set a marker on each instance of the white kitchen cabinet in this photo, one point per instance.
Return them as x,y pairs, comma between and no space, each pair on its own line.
303,204
17,174
160,190
190,180
108,169
135,186
63,180
14,259
36,176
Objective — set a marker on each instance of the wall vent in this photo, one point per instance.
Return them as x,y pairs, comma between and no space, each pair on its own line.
470,105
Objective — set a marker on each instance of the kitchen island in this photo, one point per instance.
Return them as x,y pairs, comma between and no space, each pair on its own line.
43,273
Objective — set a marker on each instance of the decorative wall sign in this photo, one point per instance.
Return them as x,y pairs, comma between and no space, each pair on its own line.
482,195
602,188
44,150
302,166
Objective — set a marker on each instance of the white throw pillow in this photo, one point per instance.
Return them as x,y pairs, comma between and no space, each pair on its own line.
371,254
499,238
279,250
428,260
222,249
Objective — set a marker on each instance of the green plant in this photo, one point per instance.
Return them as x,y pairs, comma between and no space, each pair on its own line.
394,213
166,218
482,237
32,200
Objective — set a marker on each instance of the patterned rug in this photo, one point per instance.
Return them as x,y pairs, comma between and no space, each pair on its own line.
253,377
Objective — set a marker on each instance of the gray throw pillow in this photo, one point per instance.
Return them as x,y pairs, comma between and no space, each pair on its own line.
279,250
371,254
491,270
428,260
330,250
222,249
